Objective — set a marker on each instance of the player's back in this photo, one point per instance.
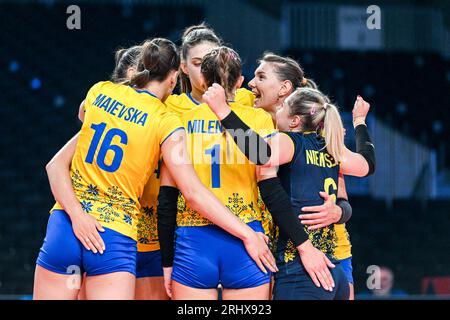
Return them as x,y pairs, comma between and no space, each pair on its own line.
219,163
312,170
184,102
117,150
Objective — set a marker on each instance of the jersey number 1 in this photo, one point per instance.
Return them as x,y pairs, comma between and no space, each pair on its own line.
106,146
215,164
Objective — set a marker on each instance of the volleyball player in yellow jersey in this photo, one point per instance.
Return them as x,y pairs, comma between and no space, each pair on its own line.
275,79
197,41
149,273
205,255
126,128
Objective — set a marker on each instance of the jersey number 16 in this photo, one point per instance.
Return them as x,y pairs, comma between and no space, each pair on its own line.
106,146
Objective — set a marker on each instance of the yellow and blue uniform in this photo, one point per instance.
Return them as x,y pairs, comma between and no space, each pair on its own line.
183,103
149,256
247,98
206,255
311,170
117,151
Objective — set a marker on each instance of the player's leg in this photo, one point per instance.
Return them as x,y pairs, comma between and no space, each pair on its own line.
111,275
195,274
82,293
111,286
58,266
342,288
240,276
50,285
292,282
151,288
183,292
257,293
149,276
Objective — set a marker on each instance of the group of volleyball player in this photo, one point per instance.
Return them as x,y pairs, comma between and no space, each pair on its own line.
168,196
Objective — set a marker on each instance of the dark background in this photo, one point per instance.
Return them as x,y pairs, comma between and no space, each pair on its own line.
47,69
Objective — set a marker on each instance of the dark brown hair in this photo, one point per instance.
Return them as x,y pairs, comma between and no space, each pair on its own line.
193,36
223,66
125,58
157,58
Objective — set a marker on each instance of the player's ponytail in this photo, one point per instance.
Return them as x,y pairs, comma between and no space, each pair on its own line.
333,131
125,58
157,58
192,36
223,66
308,83
288,69
318,114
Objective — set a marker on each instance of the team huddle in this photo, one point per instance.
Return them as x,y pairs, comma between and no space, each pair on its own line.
172,196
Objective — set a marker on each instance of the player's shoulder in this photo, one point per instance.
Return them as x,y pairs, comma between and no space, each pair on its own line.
100,85
245,97
144,97
179,103
251,114
199,111
173,100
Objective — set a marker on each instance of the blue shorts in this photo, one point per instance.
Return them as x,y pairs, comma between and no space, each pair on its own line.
206,256
346,265
292,282
149,264
63,253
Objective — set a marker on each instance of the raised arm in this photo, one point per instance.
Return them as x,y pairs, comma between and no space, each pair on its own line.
268,154
362,163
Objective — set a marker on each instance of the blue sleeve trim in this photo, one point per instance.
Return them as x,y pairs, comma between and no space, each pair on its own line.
179,128
270,135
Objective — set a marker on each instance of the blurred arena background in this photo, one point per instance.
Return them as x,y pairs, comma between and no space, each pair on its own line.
401,215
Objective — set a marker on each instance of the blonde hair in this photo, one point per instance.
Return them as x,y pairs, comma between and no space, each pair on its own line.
318,114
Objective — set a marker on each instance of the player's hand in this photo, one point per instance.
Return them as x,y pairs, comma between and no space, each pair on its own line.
317,265
360,110
168,280
216,99
257,248
323,215
86,229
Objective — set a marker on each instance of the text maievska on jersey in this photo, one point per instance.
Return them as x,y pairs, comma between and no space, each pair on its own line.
111,106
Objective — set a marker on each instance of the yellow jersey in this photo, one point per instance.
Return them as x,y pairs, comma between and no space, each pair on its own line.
117,151
181,103
245,97
220,164
147,227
